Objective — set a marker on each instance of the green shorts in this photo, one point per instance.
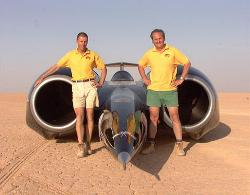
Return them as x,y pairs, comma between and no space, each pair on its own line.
162,98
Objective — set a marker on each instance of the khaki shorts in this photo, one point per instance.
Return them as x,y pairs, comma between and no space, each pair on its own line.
84,95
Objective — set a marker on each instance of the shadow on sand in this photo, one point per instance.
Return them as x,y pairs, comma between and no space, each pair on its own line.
72,138
153,163
165,143
221,131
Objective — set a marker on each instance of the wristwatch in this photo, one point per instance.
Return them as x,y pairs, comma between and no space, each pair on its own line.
181,78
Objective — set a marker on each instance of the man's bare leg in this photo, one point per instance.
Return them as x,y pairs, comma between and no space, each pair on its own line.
174,116
80,131
89,128
154,117
79,124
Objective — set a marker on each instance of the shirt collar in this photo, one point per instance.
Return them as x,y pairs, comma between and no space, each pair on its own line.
165,48
85,53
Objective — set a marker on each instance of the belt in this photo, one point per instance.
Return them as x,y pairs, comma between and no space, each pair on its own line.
83,80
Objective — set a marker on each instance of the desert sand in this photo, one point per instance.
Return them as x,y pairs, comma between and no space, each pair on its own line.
216,164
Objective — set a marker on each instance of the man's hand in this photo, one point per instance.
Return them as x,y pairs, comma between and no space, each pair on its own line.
38,81
96,84
147,82
177,82
50,71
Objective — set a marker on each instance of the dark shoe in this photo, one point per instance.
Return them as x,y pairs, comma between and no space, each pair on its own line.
81,150
149,149
179,149
88,149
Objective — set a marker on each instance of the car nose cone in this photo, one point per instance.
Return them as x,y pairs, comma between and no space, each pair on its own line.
124,157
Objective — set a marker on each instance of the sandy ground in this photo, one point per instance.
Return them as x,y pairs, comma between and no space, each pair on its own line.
217,164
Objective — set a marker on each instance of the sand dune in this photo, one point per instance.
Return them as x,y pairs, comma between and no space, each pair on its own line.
217,164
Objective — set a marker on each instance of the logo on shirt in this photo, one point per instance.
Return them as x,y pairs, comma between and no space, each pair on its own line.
167,55
87,58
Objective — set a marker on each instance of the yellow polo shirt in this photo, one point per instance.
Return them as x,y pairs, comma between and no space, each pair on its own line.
163,67
81,65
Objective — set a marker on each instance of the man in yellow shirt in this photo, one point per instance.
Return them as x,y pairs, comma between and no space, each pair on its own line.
82,61
162,85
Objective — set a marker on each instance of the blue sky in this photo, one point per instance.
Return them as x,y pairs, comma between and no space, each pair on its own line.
214,34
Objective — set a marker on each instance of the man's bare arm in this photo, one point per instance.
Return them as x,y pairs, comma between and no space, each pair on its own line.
143,75
50,71
185,70
183,75
102,78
